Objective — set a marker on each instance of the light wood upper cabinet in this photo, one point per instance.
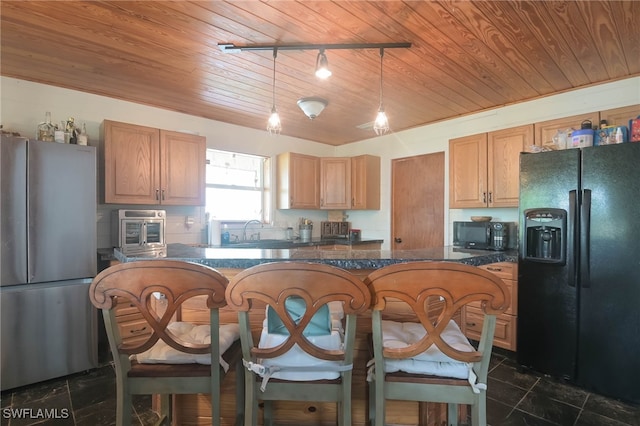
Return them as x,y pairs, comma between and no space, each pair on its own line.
504,148
298,181
350,183
484,168
365,182
620,116
182,168
331,183
546,130
335,183
468,172
144,165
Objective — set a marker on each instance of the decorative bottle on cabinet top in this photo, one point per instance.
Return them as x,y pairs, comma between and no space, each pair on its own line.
45,131
82,136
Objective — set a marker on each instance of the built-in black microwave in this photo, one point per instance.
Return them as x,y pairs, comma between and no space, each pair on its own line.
485,235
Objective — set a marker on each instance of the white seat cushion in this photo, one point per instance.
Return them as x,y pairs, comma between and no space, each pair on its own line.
161,353
432,361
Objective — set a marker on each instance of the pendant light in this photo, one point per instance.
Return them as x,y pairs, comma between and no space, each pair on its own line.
322,66
274,126
381,124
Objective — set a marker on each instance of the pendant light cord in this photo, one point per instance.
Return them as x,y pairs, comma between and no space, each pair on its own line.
275,54
381,55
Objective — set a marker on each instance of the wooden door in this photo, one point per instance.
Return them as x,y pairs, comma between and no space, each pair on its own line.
131,155
417,202
468,172
503,165
335,183
183,160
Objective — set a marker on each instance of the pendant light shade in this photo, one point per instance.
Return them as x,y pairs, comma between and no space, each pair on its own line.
312,107
322,66
273,125
381,124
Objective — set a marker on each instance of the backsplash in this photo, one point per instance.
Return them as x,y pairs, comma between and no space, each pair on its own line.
185,224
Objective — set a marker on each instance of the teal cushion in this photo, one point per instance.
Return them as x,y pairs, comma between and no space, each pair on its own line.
320,322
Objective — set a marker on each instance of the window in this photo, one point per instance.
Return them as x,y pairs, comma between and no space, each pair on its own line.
237,186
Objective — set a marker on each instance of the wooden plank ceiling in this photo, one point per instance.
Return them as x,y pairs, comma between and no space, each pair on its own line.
465,56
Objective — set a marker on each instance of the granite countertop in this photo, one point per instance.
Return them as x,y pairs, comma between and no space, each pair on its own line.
347,259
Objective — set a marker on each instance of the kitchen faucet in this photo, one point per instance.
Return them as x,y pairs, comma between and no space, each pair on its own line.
244,230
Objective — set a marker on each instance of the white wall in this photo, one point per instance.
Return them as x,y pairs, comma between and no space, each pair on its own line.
435,138
23,105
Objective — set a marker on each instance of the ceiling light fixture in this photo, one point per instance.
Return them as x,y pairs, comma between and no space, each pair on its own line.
313,106
322,66
381,125
274,126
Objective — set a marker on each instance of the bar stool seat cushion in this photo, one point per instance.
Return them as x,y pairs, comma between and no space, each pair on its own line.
430,362
162,353
319,369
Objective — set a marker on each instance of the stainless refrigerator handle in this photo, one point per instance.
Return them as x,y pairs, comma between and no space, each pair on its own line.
571,238
585,237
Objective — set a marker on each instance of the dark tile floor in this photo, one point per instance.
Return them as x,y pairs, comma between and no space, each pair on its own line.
514,398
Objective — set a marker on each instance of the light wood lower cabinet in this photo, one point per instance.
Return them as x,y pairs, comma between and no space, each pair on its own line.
506,323
133,327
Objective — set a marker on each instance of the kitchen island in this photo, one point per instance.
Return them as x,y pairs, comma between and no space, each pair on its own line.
194,409
239,258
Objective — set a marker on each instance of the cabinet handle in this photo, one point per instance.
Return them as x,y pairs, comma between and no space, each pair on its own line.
484,197
163,195
138,330
157,194
471,324
321,201
353,202
491,268
490,198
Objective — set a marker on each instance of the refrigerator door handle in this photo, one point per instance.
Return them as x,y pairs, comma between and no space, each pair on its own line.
585,237
571,237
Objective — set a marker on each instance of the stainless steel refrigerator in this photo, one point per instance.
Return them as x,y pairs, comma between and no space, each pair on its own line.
579,267
48,259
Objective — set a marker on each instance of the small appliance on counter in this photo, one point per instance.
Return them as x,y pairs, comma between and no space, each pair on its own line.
139,231
333,230
485,235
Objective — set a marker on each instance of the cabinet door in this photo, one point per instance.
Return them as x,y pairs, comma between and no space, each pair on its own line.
503,152
468,172
298,181
365,182
182,167
131,154
620,116
546,130
335,183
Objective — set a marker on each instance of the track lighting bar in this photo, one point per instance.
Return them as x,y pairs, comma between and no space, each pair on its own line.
232,48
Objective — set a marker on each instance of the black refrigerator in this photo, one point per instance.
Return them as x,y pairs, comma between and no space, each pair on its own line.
579,267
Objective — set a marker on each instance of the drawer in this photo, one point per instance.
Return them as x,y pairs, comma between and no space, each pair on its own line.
125,307
505,333
133,327
513,305
504,270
